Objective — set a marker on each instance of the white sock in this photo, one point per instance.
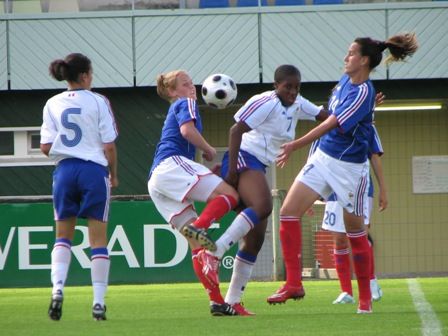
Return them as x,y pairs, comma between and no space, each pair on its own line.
240,226
242,271
100,276
60,263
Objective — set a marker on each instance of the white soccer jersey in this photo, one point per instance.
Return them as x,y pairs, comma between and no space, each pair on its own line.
272,123
78,123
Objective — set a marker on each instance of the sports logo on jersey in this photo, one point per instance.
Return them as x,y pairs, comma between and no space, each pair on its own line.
308,168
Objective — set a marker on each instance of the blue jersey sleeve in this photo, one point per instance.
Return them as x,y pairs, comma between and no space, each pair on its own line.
375,146
185,110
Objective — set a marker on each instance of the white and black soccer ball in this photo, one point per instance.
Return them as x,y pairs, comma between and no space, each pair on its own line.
219,91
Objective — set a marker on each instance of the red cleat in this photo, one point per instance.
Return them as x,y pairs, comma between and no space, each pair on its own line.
239,308
210,267
287,292
365,307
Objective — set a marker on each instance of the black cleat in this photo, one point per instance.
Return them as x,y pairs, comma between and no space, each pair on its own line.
98,312
55,310
200,235
224,309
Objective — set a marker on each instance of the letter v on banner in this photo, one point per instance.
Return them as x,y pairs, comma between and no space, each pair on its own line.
4,252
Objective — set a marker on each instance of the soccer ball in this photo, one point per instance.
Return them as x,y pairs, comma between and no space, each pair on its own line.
219,91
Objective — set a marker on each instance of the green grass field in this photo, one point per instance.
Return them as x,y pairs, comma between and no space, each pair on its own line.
182,309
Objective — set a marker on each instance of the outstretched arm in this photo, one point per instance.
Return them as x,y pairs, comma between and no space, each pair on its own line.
317,132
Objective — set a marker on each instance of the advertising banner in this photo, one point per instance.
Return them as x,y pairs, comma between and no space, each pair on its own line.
143,248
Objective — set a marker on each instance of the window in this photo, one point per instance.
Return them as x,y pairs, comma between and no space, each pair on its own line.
20,146
6,143
33,142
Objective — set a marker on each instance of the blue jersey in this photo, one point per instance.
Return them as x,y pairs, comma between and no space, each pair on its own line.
171,141
353,107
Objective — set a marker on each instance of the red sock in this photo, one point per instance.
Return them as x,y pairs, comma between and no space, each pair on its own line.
213,292
291,239
372,262
361,262
342,264
214,210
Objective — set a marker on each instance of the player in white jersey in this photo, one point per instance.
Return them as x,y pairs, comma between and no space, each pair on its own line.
78,132
176,181
339,165
262,125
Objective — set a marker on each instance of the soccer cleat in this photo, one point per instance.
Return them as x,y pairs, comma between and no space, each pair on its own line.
200,235
344,298
210,267
365,307
224,309
55,310
375,288
239,308
286,292
99,312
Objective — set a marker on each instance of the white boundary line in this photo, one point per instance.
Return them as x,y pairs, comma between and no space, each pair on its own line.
430,323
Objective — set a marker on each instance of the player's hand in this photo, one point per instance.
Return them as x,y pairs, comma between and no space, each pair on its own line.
283,157
379,99
216,169
113,181
210,154
383,202
310,212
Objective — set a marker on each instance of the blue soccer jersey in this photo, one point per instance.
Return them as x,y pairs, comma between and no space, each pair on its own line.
171,141
353,107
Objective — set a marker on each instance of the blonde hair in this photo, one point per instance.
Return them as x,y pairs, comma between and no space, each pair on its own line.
166,82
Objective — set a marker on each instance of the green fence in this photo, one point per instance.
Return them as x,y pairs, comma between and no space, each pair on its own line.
143,248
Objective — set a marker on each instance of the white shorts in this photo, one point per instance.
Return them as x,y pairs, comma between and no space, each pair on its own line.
349,181
175,185
333,219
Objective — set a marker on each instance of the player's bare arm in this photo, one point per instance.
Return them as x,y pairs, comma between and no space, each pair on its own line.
235,138
377,167
45,148
190,133
308,138
110,152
